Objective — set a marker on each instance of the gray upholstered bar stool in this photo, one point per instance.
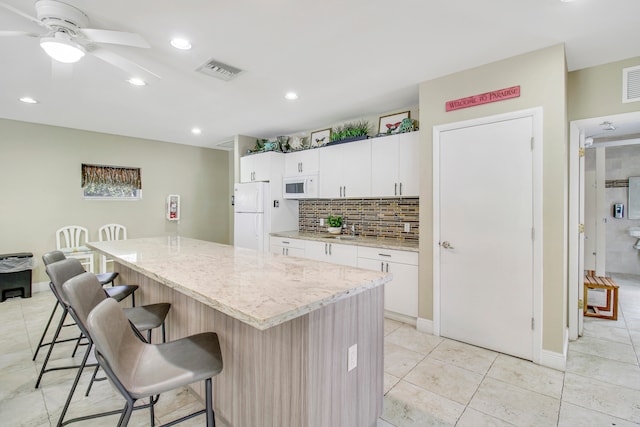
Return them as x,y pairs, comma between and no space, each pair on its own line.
119,293
83,292
140,370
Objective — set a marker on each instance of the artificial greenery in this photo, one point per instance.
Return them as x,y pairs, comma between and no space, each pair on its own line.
350,130
334,221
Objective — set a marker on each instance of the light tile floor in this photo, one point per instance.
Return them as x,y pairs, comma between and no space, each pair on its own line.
428,380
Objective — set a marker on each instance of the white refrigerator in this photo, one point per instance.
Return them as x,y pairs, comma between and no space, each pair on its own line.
258,211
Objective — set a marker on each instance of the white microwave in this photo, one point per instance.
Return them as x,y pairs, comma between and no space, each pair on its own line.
300,187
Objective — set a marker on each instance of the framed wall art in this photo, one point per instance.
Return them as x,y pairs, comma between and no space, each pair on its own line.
320,137
391,124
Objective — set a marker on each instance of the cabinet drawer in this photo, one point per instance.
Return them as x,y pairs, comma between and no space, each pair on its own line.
388,255
287,243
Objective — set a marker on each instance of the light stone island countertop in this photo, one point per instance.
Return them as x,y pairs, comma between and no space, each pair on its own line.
346,239
257,288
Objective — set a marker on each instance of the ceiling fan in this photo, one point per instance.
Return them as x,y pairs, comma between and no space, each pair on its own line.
68,39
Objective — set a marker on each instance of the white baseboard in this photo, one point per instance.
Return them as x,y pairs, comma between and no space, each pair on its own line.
400,317
554,360
424,325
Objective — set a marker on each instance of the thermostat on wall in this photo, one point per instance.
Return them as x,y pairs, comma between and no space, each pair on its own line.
173,207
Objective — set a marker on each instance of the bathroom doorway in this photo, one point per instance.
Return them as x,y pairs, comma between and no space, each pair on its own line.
591,201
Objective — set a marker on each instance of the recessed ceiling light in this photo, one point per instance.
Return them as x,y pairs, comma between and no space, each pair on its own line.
137,82
566,1
291,96
182,44
196,131
28,100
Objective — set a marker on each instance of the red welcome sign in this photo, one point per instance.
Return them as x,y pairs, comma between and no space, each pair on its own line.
485,98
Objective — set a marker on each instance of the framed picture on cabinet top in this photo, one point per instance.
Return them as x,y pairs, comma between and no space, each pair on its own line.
320,137
391,124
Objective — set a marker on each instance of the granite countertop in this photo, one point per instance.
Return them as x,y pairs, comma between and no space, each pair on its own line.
400,245
258,288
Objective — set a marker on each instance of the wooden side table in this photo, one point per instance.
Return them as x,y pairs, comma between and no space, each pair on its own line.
591,281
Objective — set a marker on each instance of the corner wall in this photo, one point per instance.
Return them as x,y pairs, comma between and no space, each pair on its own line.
542,78
41,187
597,91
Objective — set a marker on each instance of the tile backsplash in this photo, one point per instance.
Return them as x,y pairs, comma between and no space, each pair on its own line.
383,218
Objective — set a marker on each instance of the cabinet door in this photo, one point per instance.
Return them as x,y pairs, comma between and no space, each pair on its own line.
262,166
401,295
330,174
356,167
343,254
408,163
317,250
332,252
246,168
304,162
384,166
287,251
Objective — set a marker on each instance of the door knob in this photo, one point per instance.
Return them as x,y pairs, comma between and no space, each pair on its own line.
446,245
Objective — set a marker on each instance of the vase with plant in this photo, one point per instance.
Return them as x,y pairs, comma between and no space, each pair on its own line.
334,224
351,131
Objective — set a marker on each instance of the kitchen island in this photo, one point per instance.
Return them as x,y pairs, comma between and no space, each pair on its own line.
285,326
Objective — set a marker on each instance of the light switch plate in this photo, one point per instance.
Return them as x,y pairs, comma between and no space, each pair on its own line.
352,358
321,222
407,227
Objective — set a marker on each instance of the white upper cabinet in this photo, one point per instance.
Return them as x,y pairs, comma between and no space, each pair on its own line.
345,170
262,167
394,165
305,162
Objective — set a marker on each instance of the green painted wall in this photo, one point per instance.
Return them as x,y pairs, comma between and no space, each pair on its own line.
41,191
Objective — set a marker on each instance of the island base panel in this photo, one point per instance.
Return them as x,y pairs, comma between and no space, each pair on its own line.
293,374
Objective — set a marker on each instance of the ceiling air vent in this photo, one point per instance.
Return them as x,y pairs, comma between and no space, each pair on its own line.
631,84
219,70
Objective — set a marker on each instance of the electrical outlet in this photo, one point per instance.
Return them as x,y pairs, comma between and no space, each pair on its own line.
321,222
352,361
407,227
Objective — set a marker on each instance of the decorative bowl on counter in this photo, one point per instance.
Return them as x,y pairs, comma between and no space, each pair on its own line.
334,230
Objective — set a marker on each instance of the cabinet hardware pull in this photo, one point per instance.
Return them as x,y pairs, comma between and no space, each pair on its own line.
387,267
284,242
345,191
401,189
385,255
381,267
325,249
341,191
330,248
282,251
395,188
287,249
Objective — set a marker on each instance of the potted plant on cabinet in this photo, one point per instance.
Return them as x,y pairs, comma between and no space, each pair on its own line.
348,132
334,224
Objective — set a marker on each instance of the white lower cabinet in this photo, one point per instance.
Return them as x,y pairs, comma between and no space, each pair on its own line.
401,294
332,252
287,247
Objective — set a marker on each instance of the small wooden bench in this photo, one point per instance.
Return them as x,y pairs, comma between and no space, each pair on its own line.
591,281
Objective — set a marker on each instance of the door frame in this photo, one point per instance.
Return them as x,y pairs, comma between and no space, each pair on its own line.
576,213
536,114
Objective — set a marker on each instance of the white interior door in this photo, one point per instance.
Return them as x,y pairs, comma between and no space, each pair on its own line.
486,235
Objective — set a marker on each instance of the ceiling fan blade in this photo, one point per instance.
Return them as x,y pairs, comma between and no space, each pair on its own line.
17,34
118,61
114,37
24,15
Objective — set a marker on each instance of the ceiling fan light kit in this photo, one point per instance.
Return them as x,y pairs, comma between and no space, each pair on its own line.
68,37
61,48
